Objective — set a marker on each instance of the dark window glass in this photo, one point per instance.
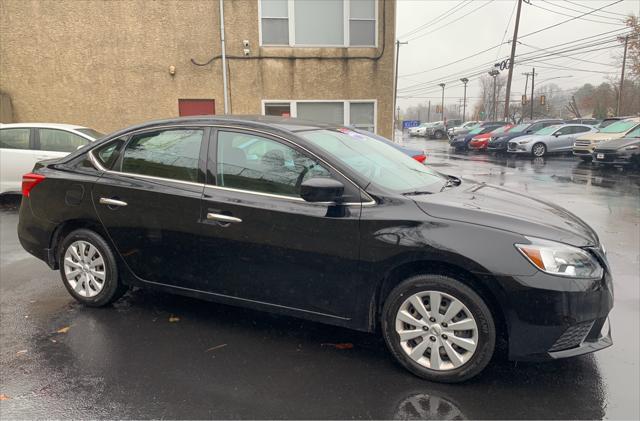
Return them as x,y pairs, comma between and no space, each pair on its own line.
579,129
107,154
14,138
168,154
249,162
60,140
566,130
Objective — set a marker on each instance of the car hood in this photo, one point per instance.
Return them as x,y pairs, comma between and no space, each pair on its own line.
527,137
599,136
499,208
619,143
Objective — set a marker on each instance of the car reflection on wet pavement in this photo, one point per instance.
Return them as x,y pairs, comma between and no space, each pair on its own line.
155,355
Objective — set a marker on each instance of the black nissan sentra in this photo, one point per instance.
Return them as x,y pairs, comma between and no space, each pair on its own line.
321,222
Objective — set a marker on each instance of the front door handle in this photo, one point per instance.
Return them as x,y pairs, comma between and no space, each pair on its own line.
112,202
223,218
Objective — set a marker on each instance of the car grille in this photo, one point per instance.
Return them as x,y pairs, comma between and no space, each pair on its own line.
608,157
572,337
582,143
512,146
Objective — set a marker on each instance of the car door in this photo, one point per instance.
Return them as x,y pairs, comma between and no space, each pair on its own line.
262,243
149,203
17,156
562,139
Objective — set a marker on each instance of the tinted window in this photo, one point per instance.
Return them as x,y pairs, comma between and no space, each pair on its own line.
566,130
60,140
254,163
107,154
580,129
14,138
168,154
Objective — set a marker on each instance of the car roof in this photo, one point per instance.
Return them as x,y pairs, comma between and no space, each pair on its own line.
42,125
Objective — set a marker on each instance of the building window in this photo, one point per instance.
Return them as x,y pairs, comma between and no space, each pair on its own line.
324,23
357,113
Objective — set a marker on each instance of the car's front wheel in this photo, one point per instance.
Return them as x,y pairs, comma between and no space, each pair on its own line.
438,135
88,269
438,328
538,150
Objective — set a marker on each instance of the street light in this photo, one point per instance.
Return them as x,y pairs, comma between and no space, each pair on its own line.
557,77
464,101
442,104
494,73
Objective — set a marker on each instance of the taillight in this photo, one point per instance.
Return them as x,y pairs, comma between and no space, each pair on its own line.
420,158
29,181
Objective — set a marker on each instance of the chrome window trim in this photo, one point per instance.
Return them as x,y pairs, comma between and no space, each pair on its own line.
96,163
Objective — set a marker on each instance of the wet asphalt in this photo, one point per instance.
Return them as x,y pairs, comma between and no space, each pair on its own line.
154,355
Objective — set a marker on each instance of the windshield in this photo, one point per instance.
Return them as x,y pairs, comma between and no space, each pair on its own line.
502,129
375,161
619,126
476,130
547,130
519,128
92,133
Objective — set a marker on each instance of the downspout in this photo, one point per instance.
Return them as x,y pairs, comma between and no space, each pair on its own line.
224,60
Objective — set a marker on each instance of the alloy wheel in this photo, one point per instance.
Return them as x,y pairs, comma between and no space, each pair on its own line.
84,268
436,330
539,149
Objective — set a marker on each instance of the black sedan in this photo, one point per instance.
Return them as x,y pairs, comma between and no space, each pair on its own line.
323,223
623,152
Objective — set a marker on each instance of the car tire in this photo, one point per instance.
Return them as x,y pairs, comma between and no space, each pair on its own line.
538,150
473,313
438,135
88,269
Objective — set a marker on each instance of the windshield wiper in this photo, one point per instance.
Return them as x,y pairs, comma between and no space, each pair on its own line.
451,182
416,193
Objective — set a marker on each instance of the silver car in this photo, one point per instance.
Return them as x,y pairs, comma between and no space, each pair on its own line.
552,139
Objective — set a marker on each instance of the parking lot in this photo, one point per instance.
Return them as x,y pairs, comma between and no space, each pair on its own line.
154,355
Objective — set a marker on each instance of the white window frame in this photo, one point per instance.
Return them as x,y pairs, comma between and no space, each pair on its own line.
293,105
292,27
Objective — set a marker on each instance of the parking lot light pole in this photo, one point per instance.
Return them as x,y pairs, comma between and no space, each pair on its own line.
494,73
442,103
464,101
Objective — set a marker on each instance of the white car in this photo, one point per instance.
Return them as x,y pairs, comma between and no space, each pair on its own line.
463,129
24,144
421,130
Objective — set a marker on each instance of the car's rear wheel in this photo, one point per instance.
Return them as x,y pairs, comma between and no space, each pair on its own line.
438,328
538,150
88,269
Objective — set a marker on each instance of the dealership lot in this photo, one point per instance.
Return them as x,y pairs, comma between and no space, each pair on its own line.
157,355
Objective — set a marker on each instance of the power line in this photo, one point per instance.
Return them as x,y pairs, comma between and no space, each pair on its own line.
572,16
572,58
590,8
504,35
453,21
440,16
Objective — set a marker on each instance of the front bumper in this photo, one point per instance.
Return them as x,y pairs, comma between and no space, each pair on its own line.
497,146
514,147
611,158
582,151
549,317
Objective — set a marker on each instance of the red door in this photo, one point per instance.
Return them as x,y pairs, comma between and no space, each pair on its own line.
196,107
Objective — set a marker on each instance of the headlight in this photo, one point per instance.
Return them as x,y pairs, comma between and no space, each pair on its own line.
561,259
522,142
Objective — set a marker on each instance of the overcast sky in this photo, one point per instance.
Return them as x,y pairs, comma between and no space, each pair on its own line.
450,38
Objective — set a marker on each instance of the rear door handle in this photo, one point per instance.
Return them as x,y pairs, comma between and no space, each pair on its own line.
112,202
223,218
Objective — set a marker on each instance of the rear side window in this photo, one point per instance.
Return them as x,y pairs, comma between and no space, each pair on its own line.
107,154
254,163
170,154
14,138
60,140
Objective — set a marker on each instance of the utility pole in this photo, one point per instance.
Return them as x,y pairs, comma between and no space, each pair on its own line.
464,102
395,83
442,104
511,59
533,81
624,62
429,112
494,73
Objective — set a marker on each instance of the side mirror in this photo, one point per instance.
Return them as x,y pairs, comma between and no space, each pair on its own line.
529,131
556,134
321,190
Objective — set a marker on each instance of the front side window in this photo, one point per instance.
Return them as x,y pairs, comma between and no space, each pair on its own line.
60,140
106,154
547,130
318,22
258,164
376,161
172,154
581,129
14,138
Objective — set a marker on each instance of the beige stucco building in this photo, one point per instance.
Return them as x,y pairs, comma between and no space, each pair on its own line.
108,64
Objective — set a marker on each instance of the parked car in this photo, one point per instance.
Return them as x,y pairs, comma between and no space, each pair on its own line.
462,129
479,142
22,145
624,152
416,154
584,145
500,144
439,129
610,120
420,130
588,121
297,218
552,139
461,143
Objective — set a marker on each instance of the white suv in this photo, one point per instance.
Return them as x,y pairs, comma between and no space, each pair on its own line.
24,144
